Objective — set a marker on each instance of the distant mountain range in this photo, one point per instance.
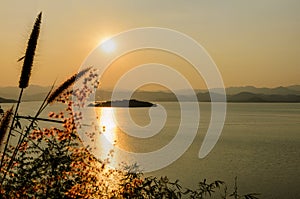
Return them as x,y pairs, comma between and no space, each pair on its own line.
234,94
4,100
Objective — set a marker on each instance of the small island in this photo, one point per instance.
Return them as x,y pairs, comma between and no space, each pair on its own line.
123,103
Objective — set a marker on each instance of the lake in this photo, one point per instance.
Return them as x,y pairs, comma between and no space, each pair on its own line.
259,144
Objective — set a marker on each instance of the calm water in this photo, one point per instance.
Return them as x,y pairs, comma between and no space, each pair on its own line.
259,144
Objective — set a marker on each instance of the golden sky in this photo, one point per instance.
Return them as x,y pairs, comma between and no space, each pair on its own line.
252,42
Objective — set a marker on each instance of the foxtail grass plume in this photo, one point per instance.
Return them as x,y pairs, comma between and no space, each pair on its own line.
57,92
30,52
5,124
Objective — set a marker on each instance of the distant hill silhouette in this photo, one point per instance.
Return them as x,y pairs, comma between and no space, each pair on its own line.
291,90
234,94
294,87
4,100
32,93
251,97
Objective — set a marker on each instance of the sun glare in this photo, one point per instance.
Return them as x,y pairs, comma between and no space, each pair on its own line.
107,123
108,136
107,45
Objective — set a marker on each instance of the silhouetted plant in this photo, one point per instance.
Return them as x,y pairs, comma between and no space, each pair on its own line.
26,73
67,84
4,124
43,167
30,52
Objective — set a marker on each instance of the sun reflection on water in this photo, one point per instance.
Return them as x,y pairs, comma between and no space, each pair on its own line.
107,123
108,134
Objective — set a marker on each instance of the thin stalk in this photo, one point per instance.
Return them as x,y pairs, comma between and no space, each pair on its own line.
51,96
24,79
37,146
22,137
41,119
42,107
11,127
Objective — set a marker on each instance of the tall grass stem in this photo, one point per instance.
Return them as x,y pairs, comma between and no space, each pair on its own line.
11,127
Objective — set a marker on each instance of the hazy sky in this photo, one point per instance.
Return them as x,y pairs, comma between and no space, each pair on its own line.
252,42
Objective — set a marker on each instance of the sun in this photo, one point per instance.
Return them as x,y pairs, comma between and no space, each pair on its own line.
107,45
